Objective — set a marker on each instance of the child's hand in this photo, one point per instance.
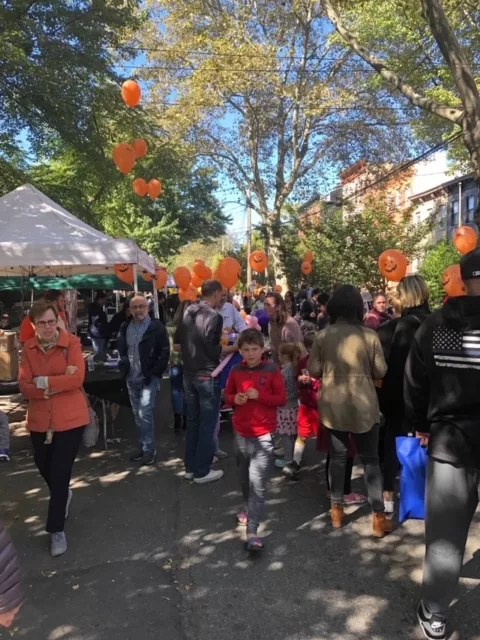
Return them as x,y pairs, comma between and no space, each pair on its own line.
304,379
252,394
240,398
71,370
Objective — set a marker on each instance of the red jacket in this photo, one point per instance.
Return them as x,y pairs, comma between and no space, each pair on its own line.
308,393
256,417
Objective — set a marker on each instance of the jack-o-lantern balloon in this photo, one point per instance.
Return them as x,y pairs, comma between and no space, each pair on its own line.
161,277
393,265
124,158
196,280
258,261
465,240
229,271
278,288
155,189
182,277
452,282
124,272
140,187
308,257
307,268
147,276
131,93
140,147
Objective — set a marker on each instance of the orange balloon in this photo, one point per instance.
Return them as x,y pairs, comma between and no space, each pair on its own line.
124,272
452,282
229,271
207,272
140,187
140,147
196,280
155,189
182,277
258,261
124,158
161,277
465,240
188,293
308,257
147,276
307,268
201,270
393,265
131,93
278,288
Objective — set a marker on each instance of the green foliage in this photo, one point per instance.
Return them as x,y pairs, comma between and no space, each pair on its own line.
437,259
347,246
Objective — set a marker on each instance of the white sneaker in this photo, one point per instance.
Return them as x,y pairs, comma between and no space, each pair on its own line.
69,499
389,506
188,475
58,544
210,477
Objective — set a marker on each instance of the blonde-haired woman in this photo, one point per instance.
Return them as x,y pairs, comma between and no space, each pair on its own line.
396,337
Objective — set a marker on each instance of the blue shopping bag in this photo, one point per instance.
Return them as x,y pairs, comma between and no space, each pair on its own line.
413,478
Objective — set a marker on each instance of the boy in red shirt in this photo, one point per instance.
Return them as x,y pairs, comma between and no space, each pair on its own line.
255,388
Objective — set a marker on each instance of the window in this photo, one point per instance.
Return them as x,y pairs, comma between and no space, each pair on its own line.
471,204
442,211
454,214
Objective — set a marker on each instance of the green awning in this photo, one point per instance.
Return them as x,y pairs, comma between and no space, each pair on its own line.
43,283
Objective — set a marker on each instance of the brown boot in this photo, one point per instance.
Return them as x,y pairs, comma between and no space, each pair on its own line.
337,516
381,525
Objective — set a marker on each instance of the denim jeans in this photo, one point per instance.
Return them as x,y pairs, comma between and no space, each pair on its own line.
367,448
176,390
202,396
142,397
99,346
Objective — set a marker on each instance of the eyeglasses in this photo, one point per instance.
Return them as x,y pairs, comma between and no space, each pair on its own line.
46,323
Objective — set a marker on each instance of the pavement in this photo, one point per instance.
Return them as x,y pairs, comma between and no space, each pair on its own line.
152,556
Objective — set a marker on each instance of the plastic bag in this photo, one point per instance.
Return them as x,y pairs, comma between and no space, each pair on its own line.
413,478
91,431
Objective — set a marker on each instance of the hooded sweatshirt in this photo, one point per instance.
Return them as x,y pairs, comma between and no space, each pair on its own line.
199,336
442,382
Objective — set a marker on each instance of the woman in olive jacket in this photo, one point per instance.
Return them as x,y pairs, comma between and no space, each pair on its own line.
349,358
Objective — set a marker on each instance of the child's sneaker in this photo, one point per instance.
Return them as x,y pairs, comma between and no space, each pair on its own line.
434,627
242,518
254,544
291,470
354,498
4,455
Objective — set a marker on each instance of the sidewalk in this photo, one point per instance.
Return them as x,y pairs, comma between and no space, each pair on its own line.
152,556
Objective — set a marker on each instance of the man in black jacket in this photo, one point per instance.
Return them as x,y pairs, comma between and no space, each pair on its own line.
199,336
442,382
144,351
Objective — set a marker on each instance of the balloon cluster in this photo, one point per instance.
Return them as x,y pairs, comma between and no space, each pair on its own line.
465,239
188,281
125,155
124,272
307,267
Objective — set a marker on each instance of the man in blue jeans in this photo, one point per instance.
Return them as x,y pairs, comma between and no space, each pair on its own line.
144,351
199,335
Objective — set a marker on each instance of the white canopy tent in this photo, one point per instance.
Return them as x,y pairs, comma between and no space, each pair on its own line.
39,237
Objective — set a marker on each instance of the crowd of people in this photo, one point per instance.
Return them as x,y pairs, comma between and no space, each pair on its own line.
288,368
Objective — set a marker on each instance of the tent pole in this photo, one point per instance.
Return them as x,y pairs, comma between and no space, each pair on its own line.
135,278
156,311
117,300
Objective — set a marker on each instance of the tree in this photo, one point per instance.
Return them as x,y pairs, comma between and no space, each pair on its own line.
259,92
347,247
438,49
437,259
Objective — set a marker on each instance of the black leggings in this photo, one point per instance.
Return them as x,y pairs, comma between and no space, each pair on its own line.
394,426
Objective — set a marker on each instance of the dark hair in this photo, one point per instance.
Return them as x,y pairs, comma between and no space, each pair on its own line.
346,303
308,339
289,295
52,295
41,307
251,336
281,307
209,287
379,294
99,295
323,298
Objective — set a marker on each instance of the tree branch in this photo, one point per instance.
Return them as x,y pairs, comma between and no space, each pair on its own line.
418,100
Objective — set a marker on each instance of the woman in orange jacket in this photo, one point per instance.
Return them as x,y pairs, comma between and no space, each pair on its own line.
51,378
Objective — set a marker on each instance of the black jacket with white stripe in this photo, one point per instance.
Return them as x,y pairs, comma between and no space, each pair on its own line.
442,382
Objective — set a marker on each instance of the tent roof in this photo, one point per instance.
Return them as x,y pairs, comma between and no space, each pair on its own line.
39,236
